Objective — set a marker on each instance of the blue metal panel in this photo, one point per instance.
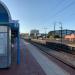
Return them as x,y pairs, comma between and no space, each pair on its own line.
14,26
4,17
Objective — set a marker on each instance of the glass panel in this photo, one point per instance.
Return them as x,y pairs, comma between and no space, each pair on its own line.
3,28
3,43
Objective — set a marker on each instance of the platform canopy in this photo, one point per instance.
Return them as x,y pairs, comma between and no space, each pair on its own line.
5,19
4,13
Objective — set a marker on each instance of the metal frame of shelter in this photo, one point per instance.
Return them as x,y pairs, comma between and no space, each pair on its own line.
5,19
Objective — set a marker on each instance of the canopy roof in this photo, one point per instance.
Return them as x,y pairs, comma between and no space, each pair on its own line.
5,18
4,13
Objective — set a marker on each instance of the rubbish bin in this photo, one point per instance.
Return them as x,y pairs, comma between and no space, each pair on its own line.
5,46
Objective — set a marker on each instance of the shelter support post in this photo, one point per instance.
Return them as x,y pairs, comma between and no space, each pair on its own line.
18,48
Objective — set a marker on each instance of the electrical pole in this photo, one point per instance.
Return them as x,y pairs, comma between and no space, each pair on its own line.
66,31
45,32
61,31
54,29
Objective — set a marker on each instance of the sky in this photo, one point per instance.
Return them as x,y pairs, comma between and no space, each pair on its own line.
42,14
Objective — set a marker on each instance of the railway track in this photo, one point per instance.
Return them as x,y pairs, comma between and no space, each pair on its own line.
56,46
46,51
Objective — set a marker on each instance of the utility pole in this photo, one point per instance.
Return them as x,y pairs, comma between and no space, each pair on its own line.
61,30
54,29
45,32
66,31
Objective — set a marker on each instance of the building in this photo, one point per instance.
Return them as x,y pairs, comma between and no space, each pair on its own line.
64,32
70,37
25,35
34,33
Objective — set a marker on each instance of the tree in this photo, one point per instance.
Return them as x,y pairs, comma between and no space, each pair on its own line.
50,34
56,36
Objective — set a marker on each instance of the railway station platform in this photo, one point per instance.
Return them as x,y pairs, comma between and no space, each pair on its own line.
48,66
33,62
28,64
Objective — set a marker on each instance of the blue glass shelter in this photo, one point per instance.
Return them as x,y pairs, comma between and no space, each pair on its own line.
8,27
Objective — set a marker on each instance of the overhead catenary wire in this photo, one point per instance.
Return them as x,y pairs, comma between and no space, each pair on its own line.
62,2
61,10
